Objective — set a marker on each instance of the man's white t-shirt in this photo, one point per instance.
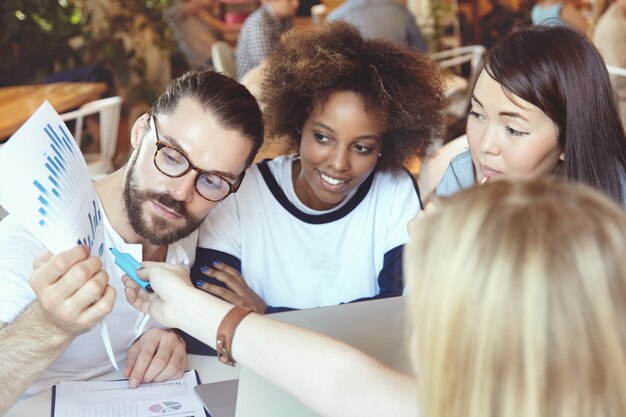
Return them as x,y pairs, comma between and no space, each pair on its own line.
86,356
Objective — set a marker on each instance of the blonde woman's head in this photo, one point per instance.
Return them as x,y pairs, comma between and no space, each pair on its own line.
518,301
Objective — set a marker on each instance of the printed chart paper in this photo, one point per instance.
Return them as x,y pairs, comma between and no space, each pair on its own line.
46,184
117,399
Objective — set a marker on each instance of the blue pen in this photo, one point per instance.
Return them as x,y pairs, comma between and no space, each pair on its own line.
130,265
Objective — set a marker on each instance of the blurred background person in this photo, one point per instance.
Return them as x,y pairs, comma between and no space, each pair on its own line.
558,12
609,37
388,20
261,33
194,37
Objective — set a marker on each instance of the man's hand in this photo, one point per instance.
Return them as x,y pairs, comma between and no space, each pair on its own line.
237,291
72,289
158,355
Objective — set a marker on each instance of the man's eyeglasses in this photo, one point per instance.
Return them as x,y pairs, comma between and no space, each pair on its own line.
171,162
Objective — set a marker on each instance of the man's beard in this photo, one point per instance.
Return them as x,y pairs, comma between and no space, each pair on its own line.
160,232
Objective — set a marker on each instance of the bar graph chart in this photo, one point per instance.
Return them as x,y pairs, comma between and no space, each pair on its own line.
50,187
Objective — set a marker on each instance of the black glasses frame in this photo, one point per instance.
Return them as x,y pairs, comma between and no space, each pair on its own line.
232,187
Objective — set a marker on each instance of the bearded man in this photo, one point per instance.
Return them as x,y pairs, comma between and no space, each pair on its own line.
189,153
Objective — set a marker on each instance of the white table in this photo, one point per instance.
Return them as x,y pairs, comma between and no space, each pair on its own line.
209,368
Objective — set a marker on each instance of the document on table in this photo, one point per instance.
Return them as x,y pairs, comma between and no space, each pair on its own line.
117,399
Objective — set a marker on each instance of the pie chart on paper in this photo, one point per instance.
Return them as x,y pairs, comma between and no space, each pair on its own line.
165,407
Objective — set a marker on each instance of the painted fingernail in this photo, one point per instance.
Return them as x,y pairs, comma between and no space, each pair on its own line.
134,383
216,263
199,283
204,269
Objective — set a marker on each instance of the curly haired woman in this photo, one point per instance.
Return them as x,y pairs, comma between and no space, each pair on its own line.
327,224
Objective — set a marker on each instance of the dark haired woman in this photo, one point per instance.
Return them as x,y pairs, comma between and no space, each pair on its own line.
327,224
543,105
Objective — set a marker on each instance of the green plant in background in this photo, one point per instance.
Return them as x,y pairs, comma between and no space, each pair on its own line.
34,37
41,37
120,35
440,11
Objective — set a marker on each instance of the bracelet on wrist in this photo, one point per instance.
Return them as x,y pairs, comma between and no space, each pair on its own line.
225,331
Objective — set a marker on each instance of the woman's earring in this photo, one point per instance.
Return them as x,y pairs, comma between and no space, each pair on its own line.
380,154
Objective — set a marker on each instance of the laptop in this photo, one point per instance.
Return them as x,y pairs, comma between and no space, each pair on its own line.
376,327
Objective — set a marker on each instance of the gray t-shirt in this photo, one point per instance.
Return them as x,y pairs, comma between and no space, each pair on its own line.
458,176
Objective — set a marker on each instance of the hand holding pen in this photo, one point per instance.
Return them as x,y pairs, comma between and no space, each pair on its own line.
130,265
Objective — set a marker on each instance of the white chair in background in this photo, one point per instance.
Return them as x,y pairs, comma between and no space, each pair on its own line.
616,70
109,110
459,89
223,57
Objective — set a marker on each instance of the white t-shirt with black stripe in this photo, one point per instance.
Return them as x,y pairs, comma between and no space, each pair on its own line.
296,257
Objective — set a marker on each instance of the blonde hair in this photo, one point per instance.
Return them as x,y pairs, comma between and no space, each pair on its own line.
518,303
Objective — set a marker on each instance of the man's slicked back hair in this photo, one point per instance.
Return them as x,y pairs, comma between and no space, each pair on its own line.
228,101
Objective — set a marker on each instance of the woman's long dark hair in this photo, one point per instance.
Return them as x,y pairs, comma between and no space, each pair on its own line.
560,71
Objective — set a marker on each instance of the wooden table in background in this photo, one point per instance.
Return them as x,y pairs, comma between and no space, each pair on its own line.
17,103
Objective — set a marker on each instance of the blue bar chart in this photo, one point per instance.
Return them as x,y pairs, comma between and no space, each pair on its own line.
50,189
